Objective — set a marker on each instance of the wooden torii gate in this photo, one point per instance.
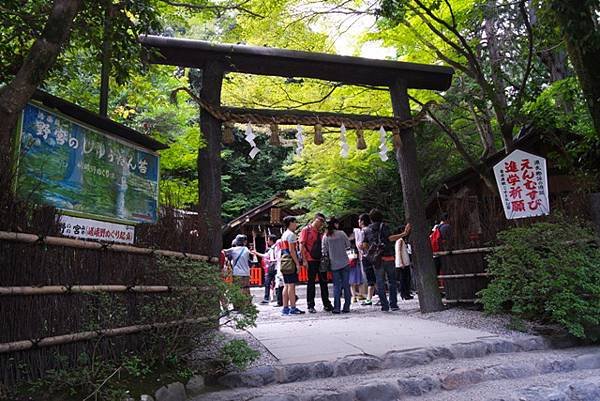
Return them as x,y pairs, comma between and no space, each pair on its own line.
216,59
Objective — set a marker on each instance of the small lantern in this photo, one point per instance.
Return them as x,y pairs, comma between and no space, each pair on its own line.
228,133
319,134
274,137
360,139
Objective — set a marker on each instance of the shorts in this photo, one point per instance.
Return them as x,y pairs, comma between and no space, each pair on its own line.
369,272
290,278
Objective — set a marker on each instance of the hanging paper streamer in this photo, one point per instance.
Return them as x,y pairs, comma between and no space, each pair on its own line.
250,139
300,139
383,149
343,142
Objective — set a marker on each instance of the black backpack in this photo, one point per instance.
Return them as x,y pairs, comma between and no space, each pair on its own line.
376,249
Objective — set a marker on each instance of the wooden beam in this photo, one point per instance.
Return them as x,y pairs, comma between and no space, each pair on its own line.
304,117
262,60
406,155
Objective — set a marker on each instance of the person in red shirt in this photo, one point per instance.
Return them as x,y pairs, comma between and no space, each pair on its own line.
310,247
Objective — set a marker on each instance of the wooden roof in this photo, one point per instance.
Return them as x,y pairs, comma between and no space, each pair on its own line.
96,120
291,63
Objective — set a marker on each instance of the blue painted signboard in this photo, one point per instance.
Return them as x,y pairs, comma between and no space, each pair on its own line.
83,171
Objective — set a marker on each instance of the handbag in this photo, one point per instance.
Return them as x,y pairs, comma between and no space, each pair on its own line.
325,264
287,265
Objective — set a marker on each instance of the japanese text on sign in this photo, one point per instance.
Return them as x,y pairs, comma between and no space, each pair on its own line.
523,185
87,229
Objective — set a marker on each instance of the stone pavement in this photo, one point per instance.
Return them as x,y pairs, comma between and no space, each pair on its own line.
365,330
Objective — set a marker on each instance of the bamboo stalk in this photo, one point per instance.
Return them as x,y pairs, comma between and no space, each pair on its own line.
461,300
75,243
82,289
465,275
465,251
89,335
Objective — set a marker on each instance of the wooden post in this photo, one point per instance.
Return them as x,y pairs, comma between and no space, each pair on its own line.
430,299
209,160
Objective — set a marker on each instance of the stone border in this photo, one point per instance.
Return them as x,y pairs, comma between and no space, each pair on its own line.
393,389
578,390
363,363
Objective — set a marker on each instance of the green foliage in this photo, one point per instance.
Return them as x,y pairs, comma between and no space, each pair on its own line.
246,183
561,107
547,272
238,353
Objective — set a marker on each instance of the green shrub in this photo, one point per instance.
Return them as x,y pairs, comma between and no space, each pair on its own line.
238,353
547,272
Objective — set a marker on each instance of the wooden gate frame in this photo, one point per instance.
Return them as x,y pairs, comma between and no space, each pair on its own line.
216,59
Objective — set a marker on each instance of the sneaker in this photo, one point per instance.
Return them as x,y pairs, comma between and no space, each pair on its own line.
346,311
395,308
296,311
312,310
335,311
328,308
286,311
264,302
367,302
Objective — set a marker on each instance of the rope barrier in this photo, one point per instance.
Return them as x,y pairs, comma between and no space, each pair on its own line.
256,117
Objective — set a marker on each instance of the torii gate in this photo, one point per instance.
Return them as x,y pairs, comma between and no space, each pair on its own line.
217,59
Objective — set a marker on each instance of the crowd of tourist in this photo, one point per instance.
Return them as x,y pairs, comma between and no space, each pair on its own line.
371,261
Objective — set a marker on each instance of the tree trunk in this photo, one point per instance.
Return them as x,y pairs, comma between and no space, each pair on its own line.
39,60
496,91
577,20
406,154
106,59
486,134
209,161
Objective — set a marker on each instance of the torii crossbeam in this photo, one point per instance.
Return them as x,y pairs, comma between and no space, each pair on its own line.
217,59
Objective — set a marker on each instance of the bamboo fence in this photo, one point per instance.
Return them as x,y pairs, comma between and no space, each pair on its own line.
90,335
74,243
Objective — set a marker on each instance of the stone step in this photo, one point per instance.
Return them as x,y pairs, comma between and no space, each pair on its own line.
439,378
362,363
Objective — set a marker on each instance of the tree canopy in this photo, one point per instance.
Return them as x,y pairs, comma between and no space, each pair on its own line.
517,63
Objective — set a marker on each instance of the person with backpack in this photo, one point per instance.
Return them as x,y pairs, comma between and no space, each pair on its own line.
310,248
289,264
379,246
269,259
239,256
367,268
439,239
335,245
